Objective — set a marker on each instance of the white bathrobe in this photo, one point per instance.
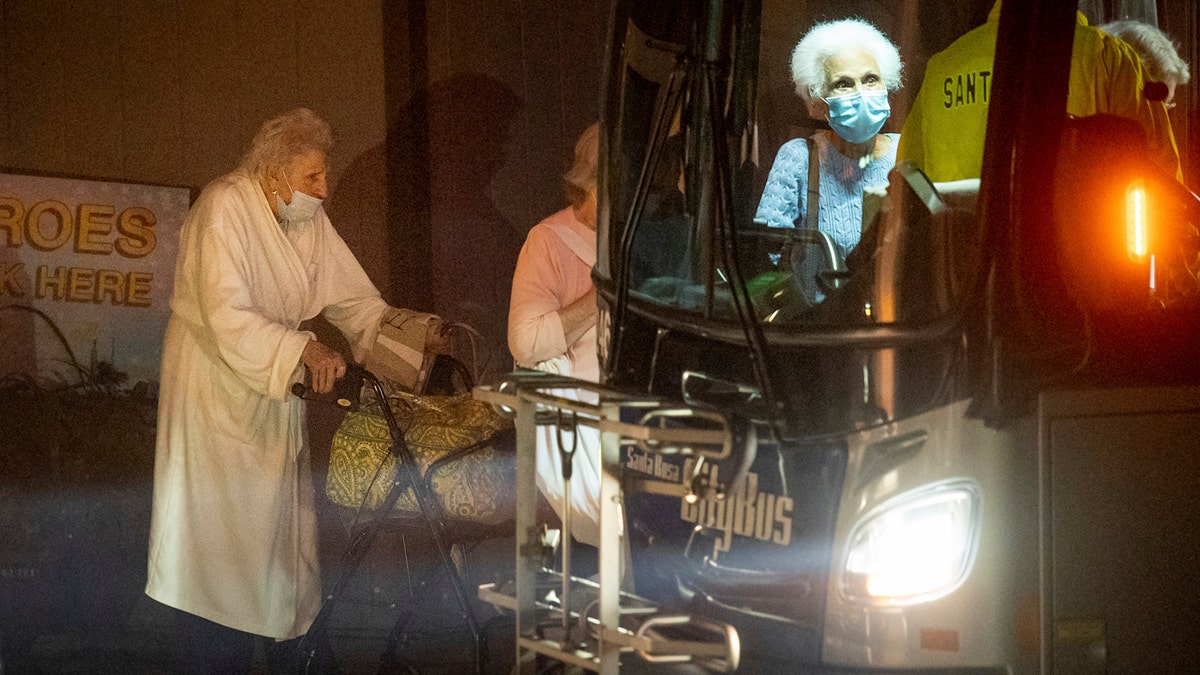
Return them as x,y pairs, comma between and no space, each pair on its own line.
233,530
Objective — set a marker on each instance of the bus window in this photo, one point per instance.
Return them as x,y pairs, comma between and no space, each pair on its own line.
821,271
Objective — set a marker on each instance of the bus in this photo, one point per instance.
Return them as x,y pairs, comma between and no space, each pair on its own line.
971,443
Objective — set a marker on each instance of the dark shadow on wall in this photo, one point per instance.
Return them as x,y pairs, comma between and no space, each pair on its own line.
443,245
473,247
449,248
381,202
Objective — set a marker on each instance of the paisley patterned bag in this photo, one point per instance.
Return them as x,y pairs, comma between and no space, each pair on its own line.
463,447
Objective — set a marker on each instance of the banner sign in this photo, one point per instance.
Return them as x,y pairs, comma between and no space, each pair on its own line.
86,271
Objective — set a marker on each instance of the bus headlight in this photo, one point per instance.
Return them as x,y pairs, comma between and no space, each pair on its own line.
914,548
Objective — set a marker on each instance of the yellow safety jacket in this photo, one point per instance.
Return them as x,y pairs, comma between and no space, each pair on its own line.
945,129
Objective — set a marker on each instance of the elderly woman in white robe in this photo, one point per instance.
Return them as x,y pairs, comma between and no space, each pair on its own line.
233,541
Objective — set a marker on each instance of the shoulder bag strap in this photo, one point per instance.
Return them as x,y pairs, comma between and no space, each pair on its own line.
814,185
576,243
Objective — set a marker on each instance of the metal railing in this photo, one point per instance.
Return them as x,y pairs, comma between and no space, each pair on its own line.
577,621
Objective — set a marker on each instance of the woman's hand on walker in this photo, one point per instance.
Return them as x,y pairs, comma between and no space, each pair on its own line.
325,366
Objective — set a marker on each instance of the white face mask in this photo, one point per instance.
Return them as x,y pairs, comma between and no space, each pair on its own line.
302,209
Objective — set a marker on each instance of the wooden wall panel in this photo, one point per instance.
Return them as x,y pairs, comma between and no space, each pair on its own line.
342,62
343,79
543,136
171,92
6,94
34,89
122,83
91,98
152,114
238,68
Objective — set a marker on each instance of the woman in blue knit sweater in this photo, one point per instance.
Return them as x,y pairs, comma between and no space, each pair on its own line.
843,71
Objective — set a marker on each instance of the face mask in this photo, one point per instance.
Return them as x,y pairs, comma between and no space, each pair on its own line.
859,116
302,209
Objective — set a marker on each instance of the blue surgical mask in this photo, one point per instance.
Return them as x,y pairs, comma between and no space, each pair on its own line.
302,209
859,116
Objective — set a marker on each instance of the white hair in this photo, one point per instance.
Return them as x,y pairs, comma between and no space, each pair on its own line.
284,137
1156,49
581,177
836,37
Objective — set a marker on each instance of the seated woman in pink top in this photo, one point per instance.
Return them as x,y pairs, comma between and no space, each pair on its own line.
552,327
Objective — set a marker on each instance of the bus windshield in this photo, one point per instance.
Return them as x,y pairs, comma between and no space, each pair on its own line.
826,157
811,109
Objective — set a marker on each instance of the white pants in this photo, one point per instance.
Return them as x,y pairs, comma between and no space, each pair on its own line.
585,477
